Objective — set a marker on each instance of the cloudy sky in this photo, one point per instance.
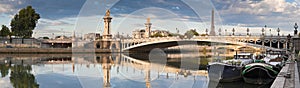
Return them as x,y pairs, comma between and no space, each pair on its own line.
85,16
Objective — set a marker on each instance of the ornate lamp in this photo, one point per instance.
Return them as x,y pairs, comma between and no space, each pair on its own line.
262,32
206,31
233,30
225,32
220,31
278,30
248,31
295,31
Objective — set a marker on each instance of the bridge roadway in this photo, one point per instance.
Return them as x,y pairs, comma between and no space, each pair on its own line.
147,44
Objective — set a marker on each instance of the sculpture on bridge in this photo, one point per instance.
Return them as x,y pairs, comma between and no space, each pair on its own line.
107,13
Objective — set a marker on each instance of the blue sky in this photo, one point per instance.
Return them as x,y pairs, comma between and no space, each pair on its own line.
84,16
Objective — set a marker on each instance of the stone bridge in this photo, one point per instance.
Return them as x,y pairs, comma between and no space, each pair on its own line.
147,44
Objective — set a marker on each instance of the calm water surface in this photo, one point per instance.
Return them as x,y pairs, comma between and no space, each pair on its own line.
108,71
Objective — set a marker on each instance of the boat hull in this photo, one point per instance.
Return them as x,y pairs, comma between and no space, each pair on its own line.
224,73
259,73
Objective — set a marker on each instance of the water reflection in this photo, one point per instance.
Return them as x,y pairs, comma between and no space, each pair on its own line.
20,75
104,71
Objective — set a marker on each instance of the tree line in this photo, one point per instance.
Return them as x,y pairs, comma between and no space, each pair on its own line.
22,25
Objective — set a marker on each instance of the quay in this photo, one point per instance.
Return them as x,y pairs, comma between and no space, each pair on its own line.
288,77
54,50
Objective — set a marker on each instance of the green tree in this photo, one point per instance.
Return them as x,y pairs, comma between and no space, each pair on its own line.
5,32
157,35
203,35
191,33
46,38
24,22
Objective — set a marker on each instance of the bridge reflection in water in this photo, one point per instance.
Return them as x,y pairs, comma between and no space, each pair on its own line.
102,71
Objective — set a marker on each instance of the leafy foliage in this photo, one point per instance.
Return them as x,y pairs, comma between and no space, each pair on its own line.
24,22
157,35
4,31
46,38
191,33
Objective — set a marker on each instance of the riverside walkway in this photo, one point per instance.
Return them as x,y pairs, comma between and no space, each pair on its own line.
288,76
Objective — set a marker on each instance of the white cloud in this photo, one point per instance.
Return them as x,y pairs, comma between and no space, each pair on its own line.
4,8
263,7
48,27
274,13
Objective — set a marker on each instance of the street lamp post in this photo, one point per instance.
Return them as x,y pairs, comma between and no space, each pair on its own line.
266,27
247,31
289,41
206,30
220,31
295,31
233,30
270,32
278,41
278,30
225,32
262,32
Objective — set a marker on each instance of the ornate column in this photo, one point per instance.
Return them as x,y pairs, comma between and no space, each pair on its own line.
148,28
107,20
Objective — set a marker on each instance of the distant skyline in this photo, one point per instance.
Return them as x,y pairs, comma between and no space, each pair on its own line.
83,16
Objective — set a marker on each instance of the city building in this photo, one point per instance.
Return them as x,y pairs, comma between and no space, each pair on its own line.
91,36
146,33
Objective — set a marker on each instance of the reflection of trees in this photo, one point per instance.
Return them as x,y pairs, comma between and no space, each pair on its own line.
4,68
22,78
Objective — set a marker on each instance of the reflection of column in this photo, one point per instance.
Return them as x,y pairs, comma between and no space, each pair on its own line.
106,66
73,67
147,78
118,61
167,75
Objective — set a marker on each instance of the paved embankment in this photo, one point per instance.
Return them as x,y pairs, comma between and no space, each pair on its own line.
288,76
52,50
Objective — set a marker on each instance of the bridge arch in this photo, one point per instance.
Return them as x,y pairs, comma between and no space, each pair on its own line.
115,45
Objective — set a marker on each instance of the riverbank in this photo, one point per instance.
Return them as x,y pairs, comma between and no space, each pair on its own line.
54,50
288,77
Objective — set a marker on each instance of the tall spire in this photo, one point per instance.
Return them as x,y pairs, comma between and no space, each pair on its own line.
212,28
107,13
